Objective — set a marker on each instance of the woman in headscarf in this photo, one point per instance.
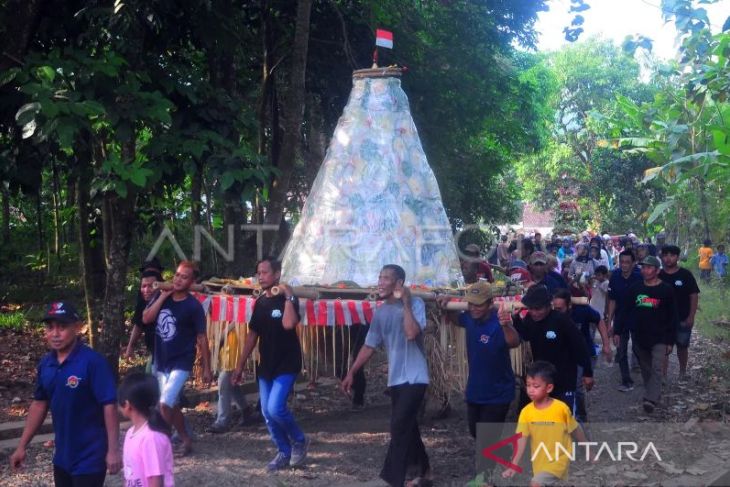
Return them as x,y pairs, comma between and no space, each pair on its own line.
581,270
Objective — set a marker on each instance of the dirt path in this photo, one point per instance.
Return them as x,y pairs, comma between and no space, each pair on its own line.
348,447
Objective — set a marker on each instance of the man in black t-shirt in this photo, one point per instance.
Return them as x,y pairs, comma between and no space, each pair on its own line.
273,326
554,338
651,314
146,292
687,294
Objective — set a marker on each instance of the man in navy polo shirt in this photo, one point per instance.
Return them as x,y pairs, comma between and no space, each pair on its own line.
179,327
490,387
77,384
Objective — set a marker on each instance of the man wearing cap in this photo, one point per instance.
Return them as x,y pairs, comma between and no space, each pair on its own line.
687,293
77,385
490,386
518,272
555,339
541,274
651,311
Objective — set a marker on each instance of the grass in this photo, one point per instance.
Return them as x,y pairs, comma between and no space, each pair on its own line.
12,321
713,307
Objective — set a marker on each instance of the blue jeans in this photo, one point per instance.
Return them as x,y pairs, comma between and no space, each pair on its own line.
282,427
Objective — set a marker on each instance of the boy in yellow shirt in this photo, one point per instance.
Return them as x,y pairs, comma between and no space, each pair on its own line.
705,260
548,422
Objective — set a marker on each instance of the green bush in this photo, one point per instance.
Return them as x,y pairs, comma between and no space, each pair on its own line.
12,321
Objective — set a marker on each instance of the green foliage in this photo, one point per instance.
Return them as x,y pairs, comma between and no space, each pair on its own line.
605,187
685,129
12,321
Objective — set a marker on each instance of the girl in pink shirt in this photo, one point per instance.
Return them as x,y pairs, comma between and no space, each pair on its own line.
147,448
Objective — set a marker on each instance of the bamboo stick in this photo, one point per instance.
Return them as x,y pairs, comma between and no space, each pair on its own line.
168,286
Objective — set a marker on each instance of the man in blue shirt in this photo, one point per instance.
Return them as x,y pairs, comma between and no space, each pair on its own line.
398,324
618,285
490,387
77,385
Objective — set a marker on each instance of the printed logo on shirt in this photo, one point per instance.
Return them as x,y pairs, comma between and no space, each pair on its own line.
644,301
484,339
73,381
275,313
678,283
166,325
551,335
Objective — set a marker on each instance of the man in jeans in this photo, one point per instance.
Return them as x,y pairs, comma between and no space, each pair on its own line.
398,324
650,308
618,285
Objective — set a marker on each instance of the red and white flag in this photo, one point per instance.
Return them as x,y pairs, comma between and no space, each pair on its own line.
384,38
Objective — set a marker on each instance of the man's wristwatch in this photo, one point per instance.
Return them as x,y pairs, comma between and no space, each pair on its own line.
291,299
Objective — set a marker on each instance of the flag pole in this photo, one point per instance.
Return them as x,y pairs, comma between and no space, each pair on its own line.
375,57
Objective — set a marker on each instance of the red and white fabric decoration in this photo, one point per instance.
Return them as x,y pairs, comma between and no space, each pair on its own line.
319,312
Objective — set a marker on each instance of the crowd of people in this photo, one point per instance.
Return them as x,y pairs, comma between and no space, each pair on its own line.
630,292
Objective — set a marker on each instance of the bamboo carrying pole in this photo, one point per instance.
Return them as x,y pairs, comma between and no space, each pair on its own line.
167,286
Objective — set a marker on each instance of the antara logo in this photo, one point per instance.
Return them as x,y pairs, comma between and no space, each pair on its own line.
512,440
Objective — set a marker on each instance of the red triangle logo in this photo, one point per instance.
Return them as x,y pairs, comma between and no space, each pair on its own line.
512,440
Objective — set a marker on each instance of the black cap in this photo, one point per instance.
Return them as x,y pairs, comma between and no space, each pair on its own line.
153,263
537,296
62,311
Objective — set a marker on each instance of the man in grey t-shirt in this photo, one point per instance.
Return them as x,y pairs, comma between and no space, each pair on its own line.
398,324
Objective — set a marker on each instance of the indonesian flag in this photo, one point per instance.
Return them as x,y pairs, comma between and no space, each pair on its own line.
384,38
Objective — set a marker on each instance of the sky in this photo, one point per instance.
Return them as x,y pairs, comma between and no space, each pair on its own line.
615,19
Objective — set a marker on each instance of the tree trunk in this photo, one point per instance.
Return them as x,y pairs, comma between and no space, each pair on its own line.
119,222
26,15
39,219
93,306
702,190
196,200
235,215
56,198
292,110
6,213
